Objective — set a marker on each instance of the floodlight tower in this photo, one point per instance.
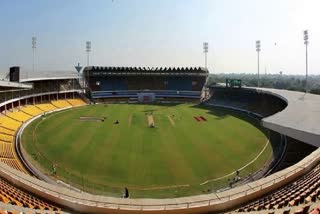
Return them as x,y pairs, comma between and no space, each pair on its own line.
34,44
205,51
88,50
258,48
306,42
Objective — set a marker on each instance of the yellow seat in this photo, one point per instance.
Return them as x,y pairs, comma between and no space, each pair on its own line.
32,110
61,103
19,115
9,123
46,107
76,102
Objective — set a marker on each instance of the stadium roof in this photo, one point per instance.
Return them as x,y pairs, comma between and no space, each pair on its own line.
7,84
99,70
47,75
300,119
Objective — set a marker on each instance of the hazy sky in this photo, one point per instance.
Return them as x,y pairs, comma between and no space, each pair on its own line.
161,33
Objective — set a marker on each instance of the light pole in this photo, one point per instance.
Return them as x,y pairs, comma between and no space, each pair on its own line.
88,50
34,43
306,42
205,51
258,48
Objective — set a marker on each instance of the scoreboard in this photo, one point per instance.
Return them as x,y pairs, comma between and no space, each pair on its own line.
233,83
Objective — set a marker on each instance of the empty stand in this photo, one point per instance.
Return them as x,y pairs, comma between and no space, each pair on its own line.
7,131
13,163
12,120
12,116
246,99
304,190
115,79
134,94
179,84
11,195
6,137
76,102
6,150
32,110
46,107
9,126
19,116
9,123
61,103
295,151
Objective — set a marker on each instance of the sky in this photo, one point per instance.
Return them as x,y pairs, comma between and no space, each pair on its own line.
157,33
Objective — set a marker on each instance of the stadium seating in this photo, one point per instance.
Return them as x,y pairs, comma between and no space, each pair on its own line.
146,83
61,103
19,116
134,94
8,128
246,99
304,190
295,151
76,102
9,124
11,195
6,150
6,138
127,82
111,84
32,110
111,79
14,163
7,131
179,84
46,107
42,87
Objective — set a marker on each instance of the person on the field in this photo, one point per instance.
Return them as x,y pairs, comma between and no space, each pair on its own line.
54,169
126,193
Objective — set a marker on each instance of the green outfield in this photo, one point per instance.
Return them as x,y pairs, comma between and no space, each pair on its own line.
182,155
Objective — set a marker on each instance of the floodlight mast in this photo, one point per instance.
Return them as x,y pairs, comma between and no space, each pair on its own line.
88,50
306,42
258,49
205,51
34,44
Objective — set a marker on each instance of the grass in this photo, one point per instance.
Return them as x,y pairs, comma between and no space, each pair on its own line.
103,158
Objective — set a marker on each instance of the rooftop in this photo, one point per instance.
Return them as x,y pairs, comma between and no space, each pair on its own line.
96,70
47,75
300,119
